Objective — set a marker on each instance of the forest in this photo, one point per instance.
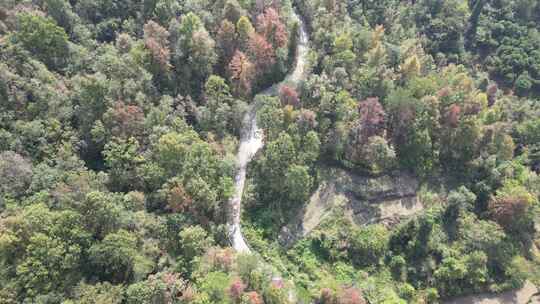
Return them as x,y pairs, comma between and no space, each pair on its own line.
124,178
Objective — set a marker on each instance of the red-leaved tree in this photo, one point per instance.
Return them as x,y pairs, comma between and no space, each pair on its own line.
156,40
372,117
348,295
236,290
452,115
289,96
262,53
226,39
253,298
509,208
271,27
124,120
351,295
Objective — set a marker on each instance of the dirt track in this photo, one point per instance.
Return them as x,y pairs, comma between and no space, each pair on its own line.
251,140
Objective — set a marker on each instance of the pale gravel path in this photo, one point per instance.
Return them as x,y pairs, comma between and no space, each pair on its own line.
251,140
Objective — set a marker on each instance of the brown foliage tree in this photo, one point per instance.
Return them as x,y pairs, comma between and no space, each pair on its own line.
178,200
506,209
492,94
156,40
262,53
219,258
452,115
271,27
124,120
306,120
242,74
226,40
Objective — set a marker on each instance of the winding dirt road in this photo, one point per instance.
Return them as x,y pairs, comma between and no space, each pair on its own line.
251,139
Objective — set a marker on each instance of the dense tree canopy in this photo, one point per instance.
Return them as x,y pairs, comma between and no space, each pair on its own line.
120,121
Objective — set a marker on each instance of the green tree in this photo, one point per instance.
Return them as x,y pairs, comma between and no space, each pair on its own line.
15,174
459,201
369,245
214,285
49,265
113,259
298,183
165,10
43,250
194,53
104,293
182,154
375,156
270,116
61,11
122,157
343,54
523,84
245,29
226,41
194,241
444,23
163,287
101,213
513,207
43,38
232,11
219,114
456,275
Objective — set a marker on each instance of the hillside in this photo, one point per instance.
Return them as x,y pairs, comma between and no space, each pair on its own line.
269,151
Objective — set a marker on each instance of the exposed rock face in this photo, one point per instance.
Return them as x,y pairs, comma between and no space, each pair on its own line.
527,294
366,200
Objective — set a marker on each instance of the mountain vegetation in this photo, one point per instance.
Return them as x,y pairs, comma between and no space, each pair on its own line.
120,121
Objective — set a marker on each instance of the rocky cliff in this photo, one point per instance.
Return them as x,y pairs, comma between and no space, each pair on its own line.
365,200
